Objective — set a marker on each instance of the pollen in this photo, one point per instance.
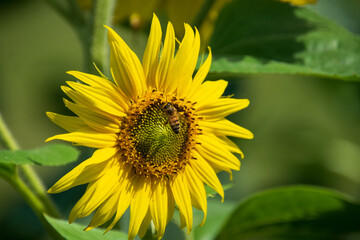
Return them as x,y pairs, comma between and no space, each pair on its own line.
148,141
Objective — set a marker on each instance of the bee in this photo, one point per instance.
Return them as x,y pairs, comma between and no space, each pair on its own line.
173,117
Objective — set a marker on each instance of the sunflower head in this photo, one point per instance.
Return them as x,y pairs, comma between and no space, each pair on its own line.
159,129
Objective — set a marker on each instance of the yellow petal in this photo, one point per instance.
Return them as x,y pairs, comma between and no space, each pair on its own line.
171,203
125,67
151,54
105,212
180,73
219,160
99,98
106,85
218,168
68,123
183,200
167,57
197,191
87,171
89,138
139,205
205,172
230,145
98,106
126,193
209,92
185,83
96,193
145,224
203,71
213,150
225,127
93,119
222,108
158,207
94,81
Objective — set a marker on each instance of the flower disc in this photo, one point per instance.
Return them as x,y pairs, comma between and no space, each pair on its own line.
148,140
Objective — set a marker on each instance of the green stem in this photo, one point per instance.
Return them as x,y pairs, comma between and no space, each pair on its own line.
202,14
34,202
36,184
6,137
37,200
102,15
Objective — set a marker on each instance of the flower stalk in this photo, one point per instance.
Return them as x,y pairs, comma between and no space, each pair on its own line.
102,15
35,203
37,186
34,194
6,137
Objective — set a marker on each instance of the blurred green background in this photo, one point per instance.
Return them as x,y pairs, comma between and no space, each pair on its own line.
307,130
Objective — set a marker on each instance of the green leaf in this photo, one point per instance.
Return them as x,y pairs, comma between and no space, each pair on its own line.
76,231
270,37
297,212
49,155
217,215
7,171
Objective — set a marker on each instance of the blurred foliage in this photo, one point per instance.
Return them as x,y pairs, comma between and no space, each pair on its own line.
297,212
306,127
300,2
137,13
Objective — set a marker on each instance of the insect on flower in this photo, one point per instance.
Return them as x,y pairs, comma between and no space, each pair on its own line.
173,117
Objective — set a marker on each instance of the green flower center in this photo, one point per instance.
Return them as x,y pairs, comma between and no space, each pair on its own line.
158,134
154,138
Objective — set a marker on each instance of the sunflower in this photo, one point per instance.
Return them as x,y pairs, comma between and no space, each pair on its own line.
160,134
